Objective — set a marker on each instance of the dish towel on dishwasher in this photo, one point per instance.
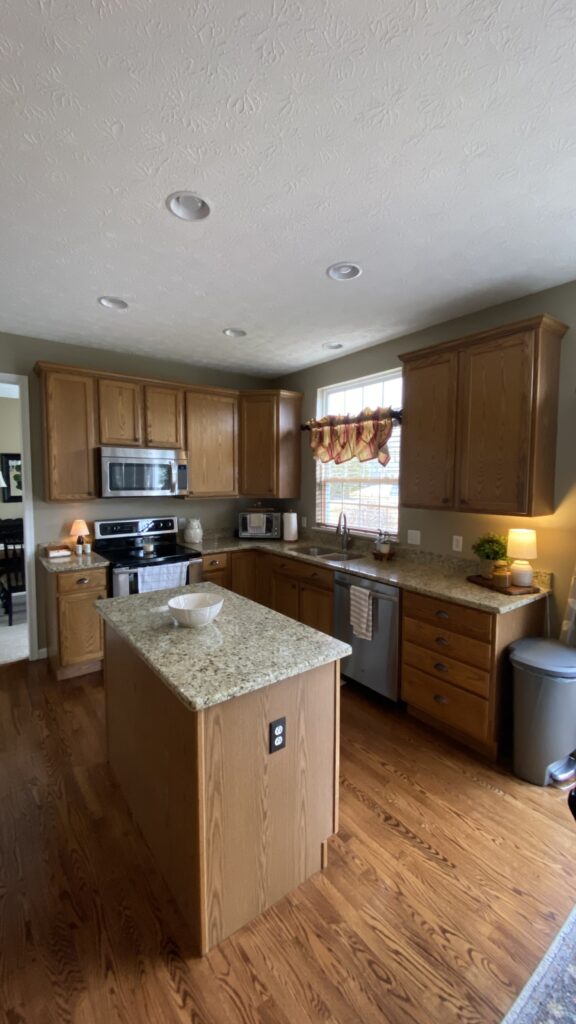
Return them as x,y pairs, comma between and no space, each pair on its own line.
361,613
162,577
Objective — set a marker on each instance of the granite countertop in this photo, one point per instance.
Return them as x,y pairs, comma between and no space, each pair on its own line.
75,563
246,648
432,580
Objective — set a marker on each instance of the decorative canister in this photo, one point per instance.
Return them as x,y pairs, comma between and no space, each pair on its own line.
193,531
501,575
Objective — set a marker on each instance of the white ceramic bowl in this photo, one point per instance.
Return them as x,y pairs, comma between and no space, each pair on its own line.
195,609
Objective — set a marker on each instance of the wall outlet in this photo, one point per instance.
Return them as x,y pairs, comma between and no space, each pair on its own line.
456,543
276,735
413,536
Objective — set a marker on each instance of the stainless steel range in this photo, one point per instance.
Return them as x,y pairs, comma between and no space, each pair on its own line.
144,554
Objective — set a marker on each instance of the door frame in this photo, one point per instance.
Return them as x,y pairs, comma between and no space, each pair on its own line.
27,513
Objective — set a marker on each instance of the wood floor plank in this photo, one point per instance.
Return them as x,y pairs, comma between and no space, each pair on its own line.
446,883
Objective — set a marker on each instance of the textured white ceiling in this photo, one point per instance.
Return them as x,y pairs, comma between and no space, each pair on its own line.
433,141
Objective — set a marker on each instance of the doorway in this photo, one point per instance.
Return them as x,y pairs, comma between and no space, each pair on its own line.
18,635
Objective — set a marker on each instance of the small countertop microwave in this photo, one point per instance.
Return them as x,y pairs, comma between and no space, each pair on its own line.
143,472
263,525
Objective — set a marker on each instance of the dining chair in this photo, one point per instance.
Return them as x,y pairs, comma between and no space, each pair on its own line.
12,566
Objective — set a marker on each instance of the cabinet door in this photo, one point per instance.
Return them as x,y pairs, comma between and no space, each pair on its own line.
428,432
316,608
244,574
164,417
221,577
80,627
284,595
258,445
120,412
70,436
496,425
212,442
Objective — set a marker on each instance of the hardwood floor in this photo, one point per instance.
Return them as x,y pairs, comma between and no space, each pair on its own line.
445,885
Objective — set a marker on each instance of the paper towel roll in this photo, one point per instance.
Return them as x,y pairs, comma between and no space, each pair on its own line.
290,526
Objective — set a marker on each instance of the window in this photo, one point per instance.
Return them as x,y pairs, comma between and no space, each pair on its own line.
366,491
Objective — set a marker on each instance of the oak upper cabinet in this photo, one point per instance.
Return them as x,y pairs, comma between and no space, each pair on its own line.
493,448
163,417
120,412
270,444
428,431
212,443
70,434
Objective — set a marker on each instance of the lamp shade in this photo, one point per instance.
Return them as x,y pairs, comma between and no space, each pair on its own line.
78,528
521,544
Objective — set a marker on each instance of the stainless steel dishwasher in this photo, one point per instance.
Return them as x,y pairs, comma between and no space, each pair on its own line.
374,663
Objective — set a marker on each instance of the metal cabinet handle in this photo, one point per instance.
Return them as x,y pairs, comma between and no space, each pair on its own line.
464,501
441,614
440,699
440,667
314,575
214,562
445,501
441,641
83,579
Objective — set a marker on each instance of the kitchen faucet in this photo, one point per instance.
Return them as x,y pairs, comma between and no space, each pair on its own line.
343,531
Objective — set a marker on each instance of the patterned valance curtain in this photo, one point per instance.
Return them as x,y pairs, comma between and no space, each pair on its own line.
341,438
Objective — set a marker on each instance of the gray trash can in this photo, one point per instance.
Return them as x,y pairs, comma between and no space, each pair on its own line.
544,708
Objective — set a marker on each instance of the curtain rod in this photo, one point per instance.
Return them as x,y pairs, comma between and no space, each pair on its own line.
395,415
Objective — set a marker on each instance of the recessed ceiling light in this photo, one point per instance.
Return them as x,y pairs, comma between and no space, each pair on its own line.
332,345
234,332
344,271
187,206
111,303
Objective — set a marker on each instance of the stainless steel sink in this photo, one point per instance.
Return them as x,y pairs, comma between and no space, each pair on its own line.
314,552
340,556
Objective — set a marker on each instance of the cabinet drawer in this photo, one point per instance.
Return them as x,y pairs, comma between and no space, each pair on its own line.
455,617
214,561
74,582
446,643
319,575
468,677
456,708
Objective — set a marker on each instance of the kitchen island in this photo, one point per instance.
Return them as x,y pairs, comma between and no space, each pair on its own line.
234,822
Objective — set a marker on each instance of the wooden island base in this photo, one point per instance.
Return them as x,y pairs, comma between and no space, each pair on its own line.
233,828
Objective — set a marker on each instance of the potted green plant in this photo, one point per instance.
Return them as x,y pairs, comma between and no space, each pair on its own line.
490,547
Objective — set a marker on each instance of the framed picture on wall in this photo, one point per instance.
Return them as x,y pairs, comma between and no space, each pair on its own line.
11,472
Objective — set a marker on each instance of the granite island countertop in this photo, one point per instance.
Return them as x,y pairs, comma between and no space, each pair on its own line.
247,647
431,580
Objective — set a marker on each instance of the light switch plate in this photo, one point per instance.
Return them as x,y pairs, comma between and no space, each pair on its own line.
456,543
413,536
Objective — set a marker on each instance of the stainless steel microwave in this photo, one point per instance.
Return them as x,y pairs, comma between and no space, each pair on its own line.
266,525
143,472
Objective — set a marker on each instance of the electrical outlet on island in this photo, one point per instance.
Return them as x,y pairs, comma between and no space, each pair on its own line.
413,536
456,543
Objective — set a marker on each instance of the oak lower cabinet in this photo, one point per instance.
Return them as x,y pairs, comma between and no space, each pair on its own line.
74,628
216,568
479,421
120,412
163,417
70,435
455,671
212,443
303,592
270,444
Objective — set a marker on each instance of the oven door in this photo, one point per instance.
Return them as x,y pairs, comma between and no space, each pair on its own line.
139,474
125,579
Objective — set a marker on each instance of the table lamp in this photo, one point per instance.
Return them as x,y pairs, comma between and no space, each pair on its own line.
79,530
521,547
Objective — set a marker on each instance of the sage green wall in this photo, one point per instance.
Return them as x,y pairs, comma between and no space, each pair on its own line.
556,533
52,520
10,441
